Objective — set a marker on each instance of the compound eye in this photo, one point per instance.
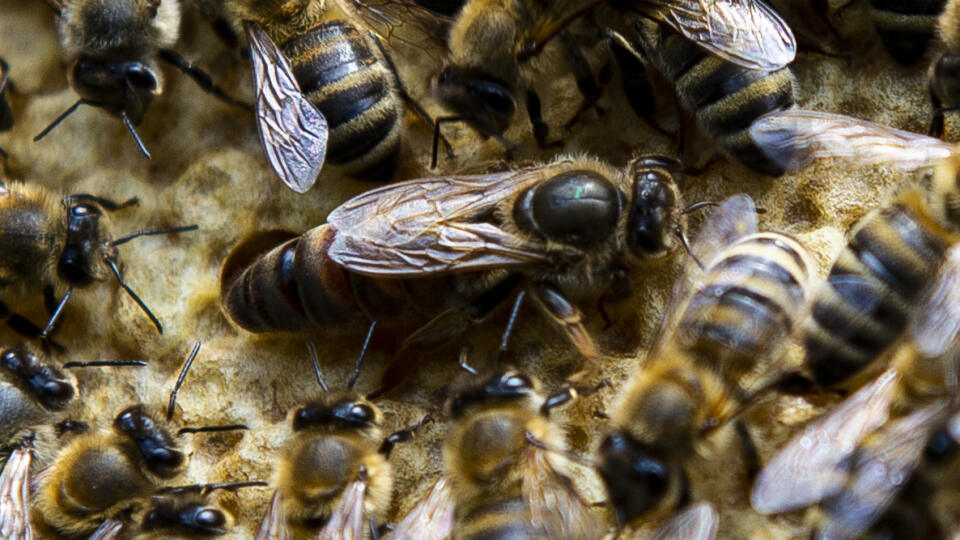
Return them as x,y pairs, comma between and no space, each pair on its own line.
83,210
516,381
139,76
362,413
210,518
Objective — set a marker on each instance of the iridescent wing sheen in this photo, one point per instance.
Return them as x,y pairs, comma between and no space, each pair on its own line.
880,468
937,324
274,524
431,519
795,138
403,22
293,132
556,508
15,495
814,464
746,32
347,520
696,522
434,225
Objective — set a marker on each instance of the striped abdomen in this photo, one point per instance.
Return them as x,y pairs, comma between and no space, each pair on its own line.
906,27
724,97
752,297
503,519
341,71
871,289
295,286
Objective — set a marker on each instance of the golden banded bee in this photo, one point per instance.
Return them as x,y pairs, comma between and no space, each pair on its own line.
111,47
565,231
721,339
333,478
318,74
725,97
491,45
504,472
46,244
101,475
893,254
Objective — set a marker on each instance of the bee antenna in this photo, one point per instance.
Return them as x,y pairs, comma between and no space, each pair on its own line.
183,375
697,206
686,246
152,232
56,314
143,307
106,363
70,110
213,429
133,132
464,354
207,488
316,365
363,353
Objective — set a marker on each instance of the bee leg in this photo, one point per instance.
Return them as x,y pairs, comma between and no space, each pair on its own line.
568,316
936,127
26,328
633,77
220,26
402,436
590,87
540,128
421,113
749,449
567,393
201,77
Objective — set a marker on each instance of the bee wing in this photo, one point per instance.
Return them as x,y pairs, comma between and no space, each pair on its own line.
431,519
735,218
109,530
794,138
433,225
15,495
403,21
347,520
274,524
813,465
937,324
555,506
696,522
746,32
293,132
881,467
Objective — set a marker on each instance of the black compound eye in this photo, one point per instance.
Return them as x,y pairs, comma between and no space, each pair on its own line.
58,390
139,76
83,210
516,381
211,518
165,457
361,412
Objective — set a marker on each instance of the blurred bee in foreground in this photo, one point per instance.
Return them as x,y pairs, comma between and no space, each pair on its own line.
320,75
719,347
566,231
102,476
894,254
505,474
111,47
46,244
333,479
492,46
869,473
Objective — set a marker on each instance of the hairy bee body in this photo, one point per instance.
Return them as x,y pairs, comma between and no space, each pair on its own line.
725,342
30,233
906,28
343,72
873,287
724,97
31,390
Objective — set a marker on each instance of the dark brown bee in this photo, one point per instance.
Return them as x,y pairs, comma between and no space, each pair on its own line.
319,74
720,343
491,45
101,475
48,244
503,475
876,284
436,255
333,479
111,48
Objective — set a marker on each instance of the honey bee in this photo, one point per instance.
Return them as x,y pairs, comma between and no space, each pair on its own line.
880,455
567,230
504,471
491,45
101,475
111,47
893,254
719,346
319,75
333,478
33,391
45,245
945,75
906,29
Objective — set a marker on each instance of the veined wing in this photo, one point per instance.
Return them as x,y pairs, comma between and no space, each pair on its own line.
937,324
746,32
814,464
795,138
109,530
15,494
431,519
433,225
556,508
347,520
696,522
293,132
274,524
404,22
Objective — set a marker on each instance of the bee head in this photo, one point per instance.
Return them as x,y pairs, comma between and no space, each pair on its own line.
344,412
80,258
500,387
484,101
637,479
655,214
45,383
154,444
185,515
120,88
